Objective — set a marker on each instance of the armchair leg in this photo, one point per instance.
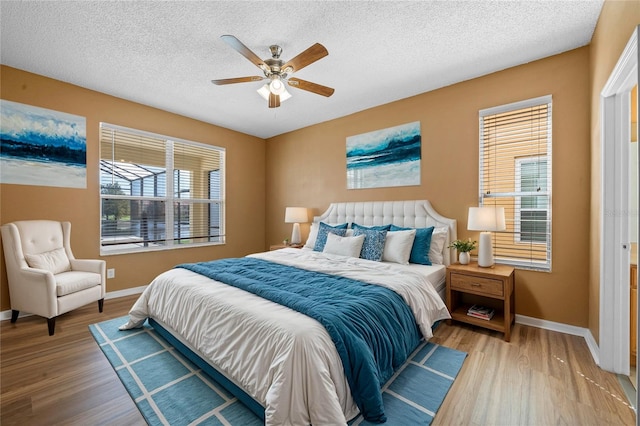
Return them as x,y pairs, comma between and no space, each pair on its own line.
51,322
100,304
14,315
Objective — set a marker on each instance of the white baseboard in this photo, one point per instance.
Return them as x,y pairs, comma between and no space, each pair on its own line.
564,328
6,315
126,292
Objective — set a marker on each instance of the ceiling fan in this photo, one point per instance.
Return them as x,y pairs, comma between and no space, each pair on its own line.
278,72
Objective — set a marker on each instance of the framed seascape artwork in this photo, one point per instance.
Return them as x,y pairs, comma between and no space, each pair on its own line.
42,147
383,158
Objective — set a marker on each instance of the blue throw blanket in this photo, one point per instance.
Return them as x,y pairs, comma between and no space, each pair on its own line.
372,327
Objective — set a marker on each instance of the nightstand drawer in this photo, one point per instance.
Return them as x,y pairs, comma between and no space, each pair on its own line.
477,285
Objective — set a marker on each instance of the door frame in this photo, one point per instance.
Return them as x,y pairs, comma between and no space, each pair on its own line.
614,214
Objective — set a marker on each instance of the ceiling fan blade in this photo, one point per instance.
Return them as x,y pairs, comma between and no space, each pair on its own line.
244,51
310,87
274,100
309,56
236,80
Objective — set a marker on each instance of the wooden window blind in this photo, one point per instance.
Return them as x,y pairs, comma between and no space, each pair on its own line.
515,173
158,192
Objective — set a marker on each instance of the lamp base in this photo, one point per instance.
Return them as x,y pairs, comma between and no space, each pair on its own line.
295,234
485,250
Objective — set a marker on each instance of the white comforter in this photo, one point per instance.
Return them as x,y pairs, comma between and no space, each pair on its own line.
285,360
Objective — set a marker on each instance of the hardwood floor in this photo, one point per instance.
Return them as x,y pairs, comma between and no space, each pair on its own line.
62,379
539,378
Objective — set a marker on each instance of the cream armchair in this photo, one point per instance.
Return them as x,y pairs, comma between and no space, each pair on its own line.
44,277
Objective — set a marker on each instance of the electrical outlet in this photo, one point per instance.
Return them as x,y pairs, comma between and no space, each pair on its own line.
111,273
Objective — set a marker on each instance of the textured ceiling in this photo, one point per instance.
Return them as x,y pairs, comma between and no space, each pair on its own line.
165,54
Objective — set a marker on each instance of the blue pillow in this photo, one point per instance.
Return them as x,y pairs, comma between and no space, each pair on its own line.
373,245
355,226
421,244
324,230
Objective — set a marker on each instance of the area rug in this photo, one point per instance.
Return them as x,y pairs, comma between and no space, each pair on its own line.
170,390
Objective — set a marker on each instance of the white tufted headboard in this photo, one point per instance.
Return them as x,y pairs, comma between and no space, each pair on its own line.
414,213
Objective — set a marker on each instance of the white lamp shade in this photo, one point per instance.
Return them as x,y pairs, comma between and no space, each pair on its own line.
486,219
296,215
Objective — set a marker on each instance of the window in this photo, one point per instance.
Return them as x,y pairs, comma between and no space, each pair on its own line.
515,173
158,192
531,175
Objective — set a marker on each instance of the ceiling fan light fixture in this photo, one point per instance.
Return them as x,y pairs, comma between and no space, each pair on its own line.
285,95
277,86
264,92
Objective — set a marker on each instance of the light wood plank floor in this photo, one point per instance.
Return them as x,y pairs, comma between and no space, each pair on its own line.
539,378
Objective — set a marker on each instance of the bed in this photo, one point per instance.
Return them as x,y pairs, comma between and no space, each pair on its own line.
291,367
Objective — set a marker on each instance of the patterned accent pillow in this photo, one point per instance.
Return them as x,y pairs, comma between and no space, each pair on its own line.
375,227
323,231
421,244
373,246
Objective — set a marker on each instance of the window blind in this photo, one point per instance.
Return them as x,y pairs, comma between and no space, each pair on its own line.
515,173
158,192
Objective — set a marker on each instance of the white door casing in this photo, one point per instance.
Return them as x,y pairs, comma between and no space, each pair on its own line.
614,211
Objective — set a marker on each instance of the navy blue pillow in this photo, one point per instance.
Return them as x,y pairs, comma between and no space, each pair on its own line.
421,244
373,245
324,230
355,226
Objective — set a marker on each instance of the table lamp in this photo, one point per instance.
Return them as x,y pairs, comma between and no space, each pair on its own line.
296,215
486,219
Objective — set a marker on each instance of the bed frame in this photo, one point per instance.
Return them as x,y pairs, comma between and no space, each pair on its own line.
417,213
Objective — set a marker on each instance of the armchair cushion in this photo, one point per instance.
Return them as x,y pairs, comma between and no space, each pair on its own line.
54,261
74,281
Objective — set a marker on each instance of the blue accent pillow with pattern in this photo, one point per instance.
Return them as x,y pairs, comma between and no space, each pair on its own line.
373,245
324,230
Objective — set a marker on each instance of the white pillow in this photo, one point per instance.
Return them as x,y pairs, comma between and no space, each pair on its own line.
397,246
54,261
313,234
438,238
344,246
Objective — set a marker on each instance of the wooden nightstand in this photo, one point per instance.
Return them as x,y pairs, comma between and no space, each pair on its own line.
494,286
281,246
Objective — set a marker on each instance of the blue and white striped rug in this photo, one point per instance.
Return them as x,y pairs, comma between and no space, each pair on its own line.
169,390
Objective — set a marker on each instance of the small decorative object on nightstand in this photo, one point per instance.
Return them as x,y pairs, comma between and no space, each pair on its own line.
463,247
490,284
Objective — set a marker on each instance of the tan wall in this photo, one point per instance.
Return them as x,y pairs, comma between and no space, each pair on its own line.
245,184
616,23
308,168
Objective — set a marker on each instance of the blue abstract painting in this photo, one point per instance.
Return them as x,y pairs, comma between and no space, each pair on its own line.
42,147
384,158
